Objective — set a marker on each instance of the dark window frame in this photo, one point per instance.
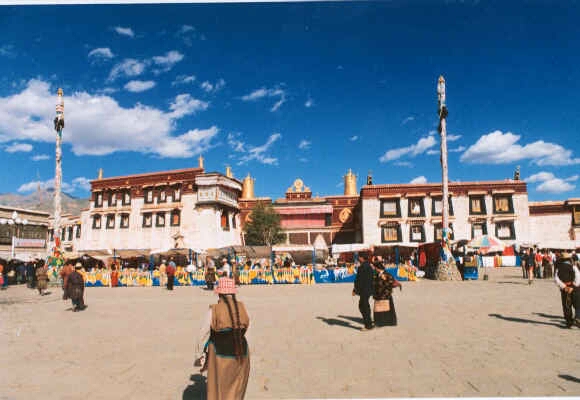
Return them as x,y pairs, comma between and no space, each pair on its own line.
327,220
439,226
483,206
51,235
398,204
575,212
110,217
225,227
422,226
99,195
70,233
97,217
512,230
422,207
150,224
399,234
510,203
440,198
484,228
175,189
111,193
157,216
125,193
121,225
146,193
78,232
175,212
159,192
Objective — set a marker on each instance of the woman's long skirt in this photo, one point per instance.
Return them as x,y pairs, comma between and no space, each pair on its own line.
227,378
386,318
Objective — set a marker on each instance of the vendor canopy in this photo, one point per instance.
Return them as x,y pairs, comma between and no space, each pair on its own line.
349,248
133,253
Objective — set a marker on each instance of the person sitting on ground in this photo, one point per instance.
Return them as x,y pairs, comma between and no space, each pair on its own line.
222,348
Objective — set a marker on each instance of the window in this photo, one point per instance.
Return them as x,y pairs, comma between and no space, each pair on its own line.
110,221
175,218
99,199
97,221
112,199
177,193
160,220
127,198
416,208
477,205
225,221
62,234
390,208
417,233
148,196
478,229
576,215
70,233
503,204
147,220
437,206
234,223
51,235
124,221
439,232
505,230
327,220
162,198
78,231
391,233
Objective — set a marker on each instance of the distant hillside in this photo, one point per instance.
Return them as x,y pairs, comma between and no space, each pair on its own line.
44,201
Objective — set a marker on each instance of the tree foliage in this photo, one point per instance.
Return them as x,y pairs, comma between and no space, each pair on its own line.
264,227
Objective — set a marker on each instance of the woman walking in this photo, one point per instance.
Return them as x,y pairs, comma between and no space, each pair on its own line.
223,349
384,308
41,277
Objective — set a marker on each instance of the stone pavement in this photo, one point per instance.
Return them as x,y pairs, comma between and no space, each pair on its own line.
476,338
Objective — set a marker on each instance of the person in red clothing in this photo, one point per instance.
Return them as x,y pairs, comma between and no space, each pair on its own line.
114,276
170,271
538,264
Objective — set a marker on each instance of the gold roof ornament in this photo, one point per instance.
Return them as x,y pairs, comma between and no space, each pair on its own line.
200,160
100,176
248,187
229,171
350,184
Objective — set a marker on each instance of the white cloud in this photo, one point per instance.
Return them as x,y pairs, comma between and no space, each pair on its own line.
353,138
419,179
184,105
101,52
7,50
408,119
187,33
433,152
549,183
304,144
502,148
167,62
124,31
457,149
420,147
98,125
80,183
185,29
183,79
303,160
452,138
40,157
309,103
263,92
258,153
403,163
209,87
19,148
128,68
139,86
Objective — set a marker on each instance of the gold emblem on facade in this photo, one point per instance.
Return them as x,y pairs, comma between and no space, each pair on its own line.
345,215
248,218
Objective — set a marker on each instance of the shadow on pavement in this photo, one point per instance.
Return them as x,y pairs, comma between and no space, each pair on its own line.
197,390
569,378
559,317
358,320
526,321
512,283
338,322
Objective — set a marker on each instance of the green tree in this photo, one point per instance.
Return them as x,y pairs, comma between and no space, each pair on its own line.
264,227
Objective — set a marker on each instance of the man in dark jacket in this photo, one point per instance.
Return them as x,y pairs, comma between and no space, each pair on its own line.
363,287
567,277
75,288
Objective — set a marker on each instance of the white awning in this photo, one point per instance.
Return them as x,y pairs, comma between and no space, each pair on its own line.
298,247
348,248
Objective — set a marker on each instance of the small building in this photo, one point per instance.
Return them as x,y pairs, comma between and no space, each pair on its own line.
555,224
23,233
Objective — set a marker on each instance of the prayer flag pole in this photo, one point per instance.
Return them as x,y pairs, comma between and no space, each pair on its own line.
447,270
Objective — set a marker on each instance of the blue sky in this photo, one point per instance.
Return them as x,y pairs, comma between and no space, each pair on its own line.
292,90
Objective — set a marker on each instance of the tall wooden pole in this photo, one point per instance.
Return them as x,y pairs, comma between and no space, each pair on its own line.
443,131
58,127
447,269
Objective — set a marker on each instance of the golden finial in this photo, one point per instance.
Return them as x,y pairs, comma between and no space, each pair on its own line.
59,92
350,184
229,171
248,187
200,160
100,173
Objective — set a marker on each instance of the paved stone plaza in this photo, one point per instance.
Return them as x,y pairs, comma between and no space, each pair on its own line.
477,338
